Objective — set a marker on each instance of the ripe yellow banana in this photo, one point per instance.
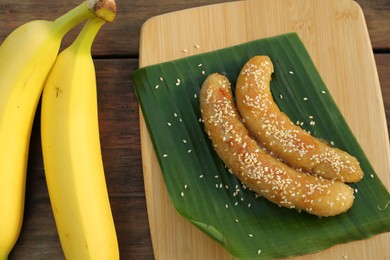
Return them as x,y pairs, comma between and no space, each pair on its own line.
72,154
26,57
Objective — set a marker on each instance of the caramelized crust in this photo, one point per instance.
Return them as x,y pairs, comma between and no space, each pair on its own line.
261,172
275,131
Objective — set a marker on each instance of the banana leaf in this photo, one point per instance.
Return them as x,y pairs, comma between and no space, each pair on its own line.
206,194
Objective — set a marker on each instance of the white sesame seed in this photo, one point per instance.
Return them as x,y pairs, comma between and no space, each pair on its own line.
169,124
182,194
185,186
281,96
200,65
323,92
157,86
174,114
291,72
250,235
259,251
184,141
372,176
184,50
161,79
195,95
237,220
305,98
201,176
203,72
197,46
165,155
249,205
189,151
226,206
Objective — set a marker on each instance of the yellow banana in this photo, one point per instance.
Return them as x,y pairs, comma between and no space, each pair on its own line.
72,154
26,57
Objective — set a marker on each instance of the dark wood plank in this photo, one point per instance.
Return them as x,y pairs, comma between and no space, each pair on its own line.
121,38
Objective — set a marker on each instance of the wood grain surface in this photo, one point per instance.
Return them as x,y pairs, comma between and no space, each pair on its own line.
336,37
116,54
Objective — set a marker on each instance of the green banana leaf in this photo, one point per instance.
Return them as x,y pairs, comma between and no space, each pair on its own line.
211,198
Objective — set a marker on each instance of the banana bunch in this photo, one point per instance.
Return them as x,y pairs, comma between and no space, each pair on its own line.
30,64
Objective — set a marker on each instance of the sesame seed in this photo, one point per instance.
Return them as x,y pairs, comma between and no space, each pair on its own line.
249,205
197,46
165,155
184,141
185,186
184,50
291,72
226,206
203,72
281,96
356,190
200,65
305,98
174,114
189,151
372,176
216,176
169,124
259,251
182,194
237,220
195,95
201,176
161,79
157,86
250,235
323,92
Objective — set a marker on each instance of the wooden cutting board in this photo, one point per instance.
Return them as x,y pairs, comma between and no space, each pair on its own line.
335,34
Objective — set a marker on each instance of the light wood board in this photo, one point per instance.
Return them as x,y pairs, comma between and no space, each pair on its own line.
335,34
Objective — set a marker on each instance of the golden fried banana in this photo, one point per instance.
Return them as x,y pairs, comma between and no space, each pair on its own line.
275,131
261,172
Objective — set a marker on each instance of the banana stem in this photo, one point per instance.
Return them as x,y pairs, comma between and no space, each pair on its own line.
70,19
87,35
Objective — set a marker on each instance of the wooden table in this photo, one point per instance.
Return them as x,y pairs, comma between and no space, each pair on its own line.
116,52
